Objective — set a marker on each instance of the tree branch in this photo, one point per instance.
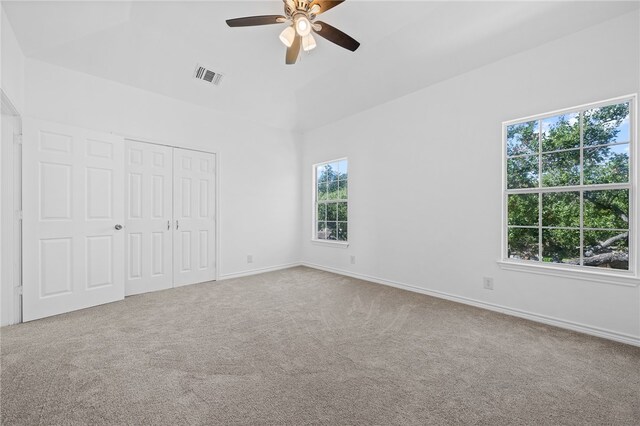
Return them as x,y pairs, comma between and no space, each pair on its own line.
612,207
612,240
606,244
612,259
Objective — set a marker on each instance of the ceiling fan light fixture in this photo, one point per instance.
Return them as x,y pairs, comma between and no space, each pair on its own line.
308,43
315,9
287,36
303,26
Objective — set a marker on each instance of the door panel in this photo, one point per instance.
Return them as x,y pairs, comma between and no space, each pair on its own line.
194,215
73,257
148,224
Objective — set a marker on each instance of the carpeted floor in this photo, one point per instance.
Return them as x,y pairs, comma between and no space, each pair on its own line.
301,346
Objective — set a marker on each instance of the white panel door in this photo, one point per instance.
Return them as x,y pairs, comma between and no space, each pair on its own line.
149,204
73,193
194,217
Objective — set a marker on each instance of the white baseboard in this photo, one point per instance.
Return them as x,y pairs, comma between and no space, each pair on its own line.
544,319
246,273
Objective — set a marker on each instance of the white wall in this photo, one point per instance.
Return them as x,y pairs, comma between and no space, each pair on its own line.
259,165
425,179
12,64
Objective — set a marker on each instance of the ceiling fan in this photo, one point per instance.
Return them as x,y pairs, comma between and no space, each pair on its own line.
300,16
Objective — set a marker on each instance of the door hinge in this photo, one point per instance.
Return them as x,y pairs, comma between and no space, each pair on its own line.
19,290
19,214
17,139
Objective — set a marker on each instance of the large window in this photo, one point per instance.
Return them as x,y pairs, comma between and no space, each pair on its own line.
331,201
568,187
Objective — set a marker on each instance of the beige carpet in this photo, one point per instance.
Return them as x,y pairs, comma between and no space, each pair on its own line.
302,346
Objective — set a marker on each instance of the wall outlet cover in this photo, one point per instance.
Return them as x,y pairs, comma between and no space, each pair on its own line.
487,283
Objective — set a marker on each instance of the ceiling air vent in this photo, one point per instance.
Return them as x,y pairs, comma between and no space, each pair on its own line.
207,75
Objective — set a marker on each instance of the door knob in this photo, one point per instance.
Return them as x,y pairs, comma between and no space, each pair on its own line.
118,227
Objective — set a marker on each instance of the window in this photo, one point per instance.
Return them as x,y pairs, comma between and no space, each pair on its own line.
568,187
330,221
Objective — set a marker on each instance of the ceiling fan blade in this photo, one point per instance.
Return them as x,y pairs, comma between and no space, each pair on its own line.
336,36
293,51
250,21
325,4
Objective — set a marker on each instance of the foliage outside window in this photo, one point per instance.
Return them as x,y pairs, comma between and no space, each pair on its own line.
331,201
568,187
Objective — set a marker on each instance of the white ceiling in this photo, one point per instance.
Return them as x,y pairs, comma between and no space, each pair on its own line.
405,45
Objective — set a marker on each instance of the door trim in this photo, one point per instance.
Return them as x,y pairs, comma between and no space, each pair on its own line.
12,259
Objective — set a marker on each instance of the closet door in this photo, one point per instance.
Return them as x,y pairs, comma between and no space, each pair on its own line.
194,217
149,251
73,242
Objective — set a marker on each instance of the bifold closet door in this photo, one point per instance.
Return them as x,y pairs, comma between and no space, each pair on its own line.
194,217
149,228
73,212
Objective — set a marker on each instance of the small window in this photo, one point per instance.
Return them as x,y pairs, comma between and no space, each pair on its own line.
568,187
330,219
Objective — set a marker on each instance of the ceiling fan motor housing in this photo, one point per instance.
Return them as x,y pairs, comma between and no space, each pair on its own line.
302,5
291,7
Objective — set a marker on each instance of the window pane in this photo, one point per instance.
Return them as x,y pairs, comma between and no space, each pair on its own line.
561,132
522,172
332,172
332,214
321,175
332,187
322,231
522,138
342,190
606,209
332,231
343,169
322,191
327,172
607,164
523,243
342,231
321,212
606,125
561,209
523,209
561,246
342,212
606,249
561,168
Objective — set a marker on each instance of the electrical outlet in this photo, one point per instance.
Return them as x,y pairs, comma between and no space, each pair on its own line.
353,260
249,258
487,283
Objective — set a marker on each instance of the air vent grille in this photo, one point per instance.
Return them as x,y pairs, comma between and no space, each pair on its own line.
208,75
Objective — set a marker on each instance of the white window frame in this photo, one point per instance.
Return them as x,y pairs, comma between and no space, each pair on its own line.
314,206
628,277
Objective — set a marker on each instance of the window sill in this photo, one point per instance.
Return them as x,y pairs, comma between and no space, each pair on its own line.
341,244
622,278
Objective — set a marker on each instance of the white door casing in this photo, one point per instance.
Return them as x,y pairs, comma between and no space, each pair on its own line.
194,217
149,224
73,198
11,221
